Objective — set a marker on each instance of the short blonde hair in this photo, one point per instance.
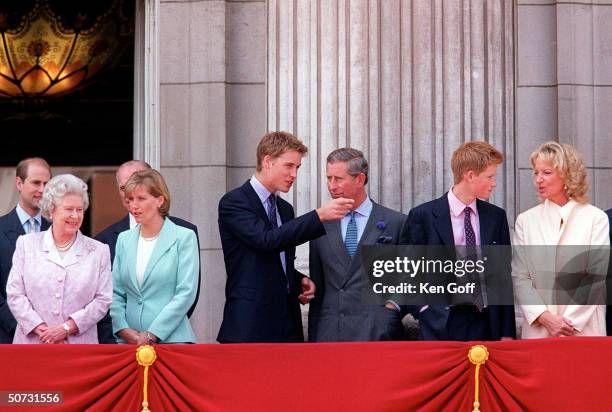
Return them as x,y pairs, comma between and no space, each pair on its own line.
568,163
155,184
275,144
57,188
475,156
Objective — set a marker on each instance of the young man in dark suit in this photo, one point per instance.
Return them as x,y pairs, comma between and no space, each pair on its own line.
111,233
461,218
337,313
31,177
259,234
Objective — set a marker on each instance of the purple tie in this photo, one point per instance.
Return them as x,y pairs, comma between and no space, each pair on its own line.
272,210
470,243
274,222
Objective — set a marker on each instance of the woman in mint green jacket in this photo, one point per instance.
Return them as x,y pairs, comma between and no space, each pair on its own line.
155,271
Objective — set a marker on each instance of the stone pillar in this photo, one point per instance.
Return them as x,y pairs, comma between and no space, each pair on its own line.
212,68
404,81
193,135
564,88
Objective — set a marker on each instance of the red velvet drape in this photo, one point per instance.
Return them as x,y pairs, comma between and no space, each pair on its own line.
562,374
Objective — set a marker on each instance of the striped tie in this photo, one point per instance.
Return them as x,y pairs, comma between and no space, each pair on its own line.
470,243
33,225
272,210
272,217
350,240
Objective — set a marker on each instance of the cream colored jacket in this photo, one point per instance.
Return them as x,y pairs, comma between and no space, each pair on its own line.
535,269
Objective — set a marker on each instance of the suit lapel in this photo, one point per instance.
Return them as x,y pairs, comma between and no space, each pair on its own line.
334,236
254,200
130,248
486,222
370,235
51,250
44,224
122,225
284,210
76,252
15,229
167,237
442,221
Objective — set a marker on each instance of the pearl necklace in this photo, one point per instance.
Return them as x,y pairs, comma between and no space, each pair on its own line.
65,246
150,239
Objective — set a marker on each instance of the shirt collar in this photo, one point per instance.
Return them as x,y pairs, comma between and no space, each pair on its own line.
260,189
564,211
365,208
24,216
457,206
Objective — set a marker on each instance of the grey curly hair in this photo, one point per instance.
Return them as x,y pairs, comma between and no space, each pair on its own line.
60,186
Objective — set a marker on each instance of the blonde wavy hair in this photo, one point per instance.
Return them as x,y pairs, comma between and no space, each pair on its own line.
568,162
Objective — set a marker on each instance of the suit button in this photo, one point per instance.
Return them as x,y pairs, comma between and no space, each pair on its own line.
342,315
59,279
56,312
57,295
140,301
341,290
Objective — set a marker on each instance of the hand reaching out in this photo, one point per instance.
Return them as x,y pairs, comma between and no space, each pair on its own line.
336,209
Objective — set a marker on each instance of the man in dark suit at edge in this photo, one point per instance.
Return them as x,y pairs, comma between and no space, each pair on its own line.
460,218
111,233
259,234
337,312
32,175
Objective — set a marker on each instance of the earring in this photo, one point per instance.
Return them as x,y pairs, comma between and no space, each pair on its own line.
564,187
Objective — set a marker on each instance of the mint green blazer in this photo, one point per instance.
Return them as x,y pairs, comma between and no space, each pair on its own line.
168,288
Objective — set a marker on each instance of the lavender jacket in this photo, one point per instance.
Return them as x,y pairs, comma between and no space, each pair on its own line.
42,287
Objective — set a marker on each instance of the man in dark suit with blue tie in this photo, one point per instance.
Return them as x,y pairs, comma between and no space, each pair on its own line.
461,218
31,177
111,233
259,234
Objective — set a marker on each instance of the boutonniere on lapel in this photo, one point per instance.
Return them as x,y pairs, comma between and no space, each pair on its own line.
380,224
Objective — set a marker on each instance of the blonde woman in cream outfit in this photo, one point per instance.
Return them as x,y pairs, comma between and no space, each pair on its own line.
563,218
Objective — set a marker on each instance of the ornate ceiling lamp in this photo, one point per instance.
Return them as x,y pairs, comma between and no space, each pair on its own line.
48,48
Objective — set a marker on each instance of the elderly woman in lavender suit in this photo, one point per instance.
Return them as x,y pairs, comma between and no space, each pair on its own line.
60,284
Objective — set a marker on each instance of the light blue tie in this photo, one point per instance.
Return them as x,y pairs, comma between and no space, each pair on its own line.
33,225
350,240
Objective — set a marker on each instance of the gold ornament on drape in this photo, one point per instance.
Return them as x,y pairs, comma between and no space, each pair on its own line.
145,356
478,355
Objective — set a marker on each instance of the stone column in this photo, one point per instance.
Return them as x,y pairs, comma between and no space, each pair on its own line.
404,81
564,88
193,135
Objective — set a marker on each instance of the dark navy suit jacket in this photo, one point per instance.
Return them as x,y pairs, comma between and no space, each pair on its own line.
109,236
10,230
258,307
430,224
